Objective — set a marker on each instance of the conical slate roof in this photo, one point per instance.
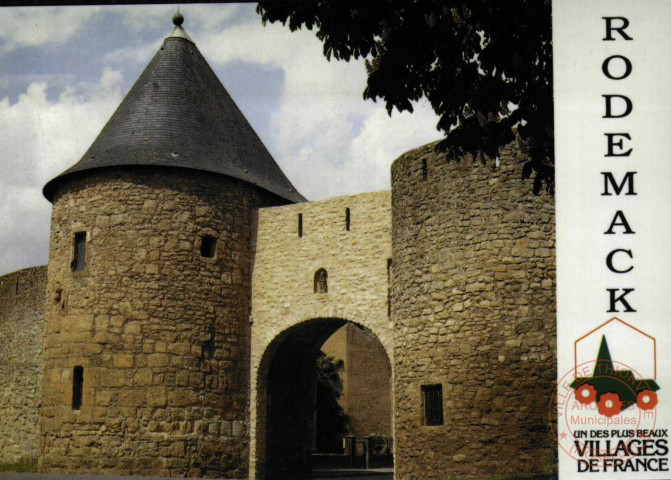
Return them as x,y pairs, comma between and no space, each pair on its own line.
178,114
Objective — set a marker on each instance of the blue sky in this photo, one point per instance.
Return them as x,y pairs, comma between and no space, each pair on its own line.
64,70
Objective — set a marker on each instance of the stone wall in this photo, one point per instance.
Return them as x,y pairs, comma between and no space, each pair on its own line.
368,389
162,333
366,379
473,302
21,323
283,283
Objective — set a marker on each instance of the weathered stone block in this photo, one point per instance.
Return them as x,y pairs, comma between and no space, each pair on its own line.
123,360
132,398
156,397
158,360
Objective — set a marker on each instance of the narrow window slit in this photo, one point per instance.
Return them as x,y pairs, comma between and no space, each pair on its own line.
347,219
425,170
79,252
300,224
77,387
389,264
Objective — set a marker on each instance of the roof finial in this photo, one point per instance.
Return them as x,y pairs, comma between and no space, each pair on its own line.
178,19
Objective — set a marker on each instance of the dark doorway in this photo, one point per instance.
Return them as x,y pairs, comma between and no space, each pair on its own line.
306,427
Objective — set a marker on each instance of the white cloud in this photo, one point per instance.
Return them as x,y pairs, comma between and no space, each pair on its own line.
200,20
141,17
207,17
40,140
36,26
137,54
315,138
382,140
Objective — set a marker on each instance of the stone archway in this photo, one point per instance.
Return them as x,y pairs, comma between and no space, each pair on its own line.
285,402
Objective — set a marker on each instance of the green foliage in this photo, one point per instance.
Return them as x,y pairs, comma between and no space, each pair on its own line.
485,66
328,375
332,422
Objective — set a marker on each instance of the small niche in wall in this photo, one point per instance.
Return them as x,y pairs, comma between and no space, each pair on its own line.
432,399
347,219
321,281
77,387
208,246
300,224
79,252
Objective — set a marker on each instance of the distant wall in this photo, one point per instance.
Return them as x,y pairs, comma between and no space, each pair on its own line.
366,380
21,323
368,384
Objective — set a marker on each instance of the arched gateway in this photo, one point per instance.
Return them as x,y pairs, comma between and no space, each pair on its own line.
290,322
291,413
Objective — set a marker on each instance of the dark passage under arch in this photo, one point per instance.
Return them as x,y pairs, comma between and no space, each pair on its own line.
297,434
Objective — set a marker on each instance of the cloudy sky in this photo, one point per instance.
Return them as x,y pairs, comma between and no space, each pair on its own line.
64,70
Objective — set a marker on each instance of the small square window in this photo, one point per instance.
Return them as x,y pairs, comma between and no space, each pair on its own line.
208,246
433,404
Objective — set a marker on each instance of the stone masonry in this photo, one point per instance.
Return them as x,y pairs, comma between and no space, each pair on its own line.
473,305
366,376
178,351
161,332
185,303
22,296
283,282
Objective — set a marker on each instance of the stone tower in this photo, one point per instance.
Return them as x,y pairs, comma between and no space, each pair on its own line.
473,306
146,344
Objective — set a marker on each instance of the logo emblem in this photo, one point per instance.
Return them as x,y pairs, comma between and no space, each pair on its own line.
614,390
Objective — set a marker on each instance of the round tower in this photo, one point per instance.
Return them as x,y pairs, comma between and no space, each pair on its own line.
473,306
146,345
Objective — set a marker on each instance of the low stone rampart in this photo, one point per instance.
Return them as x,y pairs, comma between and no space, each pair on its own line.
21,324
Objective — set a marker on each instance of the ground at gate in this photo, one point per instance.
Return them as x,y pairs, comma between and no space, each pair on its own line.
373,474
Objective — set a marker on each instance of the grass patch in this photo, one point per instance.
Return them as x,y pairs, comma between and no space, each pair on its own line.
18,467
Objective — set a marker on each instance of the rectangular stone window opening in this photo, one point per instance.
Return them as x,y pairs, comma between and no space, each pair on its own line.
347,219
208,246
300,224
432,396
389,264
79,252
425,170
77,387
